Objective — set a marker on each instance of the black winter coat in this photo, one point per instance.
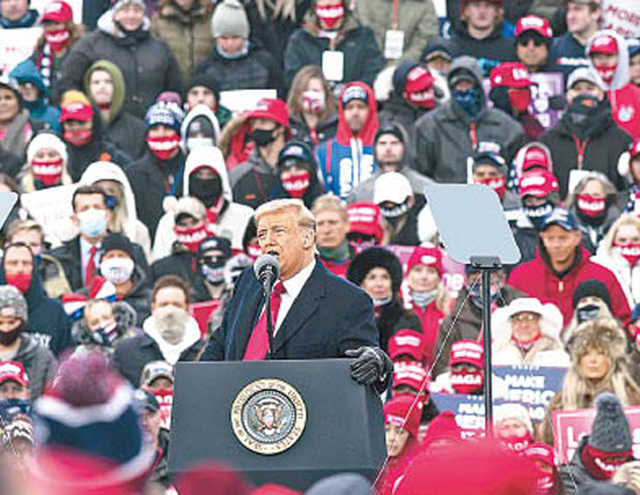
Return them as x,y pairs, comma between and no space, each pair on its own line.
38,362
604,142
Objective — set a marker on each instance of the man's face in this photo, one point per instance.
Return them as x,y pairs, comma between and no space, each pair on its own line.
481,14
584,88
101,87
10,389
14,10
31,238
130,17
389,152
18,261
230,44
201,95
280,235
560,244
9,105
634,69
170,296
356,113
580,18
332,229
532,51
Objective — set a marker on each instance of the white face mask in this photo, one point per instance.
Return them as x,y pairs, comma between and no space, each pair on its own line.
93,222
117,270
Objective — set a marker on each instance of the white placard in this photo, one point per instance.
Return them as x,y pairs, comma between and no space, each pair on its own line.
17,45
243,100
52,209
76,5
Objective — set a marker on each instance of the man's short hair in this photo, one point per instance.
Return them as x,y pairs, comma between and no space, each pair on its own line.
24,226
88,191
331,203
295,206
171,281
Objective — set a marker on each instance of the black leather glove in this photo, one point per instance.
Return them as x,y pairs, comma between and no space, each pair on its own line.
370,366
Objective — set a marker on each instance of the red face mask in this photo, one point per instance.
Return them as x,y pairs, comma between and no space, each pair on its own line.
297,184
520,99
517,443
606,73
78,137
467,382
191,237
630,252
590,205
163,147
57,39
602,465
330,15
498,184
21,281
49,173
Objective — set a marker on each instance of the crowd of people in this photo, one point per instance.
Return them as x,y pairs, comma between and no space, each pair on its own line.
142,140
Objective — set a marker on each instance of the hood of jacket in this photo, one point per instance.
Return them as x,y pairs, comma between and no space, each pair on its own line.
200,110
470,64
98,171
107,25
621,75
368,132
118,85
207,156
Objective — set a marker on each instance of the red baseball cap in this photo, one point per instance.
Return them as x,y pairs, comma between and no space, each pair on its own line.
467,352
407,342
603,43
57,11
273,109
414,375
13,371
429,256
510,74
76,110
634,149
536,156
538,183
534,23
364,218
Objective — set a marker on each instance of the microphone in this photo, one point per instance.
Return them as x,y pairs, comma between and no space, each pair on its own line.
266,269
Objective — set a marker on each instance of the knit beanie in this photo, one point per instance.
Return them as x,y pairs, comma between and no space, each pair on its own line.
10,297
46,140
164,114
591,288
230,19
610,432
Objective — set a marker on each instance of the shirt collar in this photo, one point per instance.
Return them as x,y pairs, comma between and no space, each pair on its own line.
295,284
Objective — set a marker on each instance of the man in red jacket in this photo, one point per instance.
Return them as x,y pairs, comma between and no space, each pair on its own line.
561,264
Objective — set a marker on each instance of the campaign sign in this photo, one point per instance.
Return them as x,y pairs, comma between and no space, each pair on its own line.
570,426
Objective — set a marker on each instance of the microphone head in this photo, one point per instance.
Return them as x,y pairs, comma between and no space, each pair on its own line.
266,262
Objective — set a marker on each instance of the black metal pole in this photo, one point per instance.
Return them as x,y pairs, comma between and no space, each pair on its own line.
486,324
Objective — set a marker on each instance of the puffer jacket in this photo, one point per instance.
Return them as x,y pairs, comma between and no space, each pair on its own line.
147,64
444,138
417,19
362,58
38,362
188,34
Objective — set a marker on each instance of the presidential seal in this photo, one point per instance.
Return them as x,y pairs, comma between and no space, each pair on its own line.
268,416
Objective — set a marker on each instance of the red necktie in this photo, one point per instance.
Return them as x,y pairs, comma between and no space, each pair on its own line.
259,342
90,271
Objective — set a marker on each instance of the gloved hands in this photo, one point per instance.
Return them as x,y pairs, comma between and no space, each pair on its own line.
370,366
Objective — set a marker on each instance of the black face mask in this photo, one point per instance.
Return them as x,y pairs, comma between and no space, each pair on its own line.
10,337
588,313
206,190
263,137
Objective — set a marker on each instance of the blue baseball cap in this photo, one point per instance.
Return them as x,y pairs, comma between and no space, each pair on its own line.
562,217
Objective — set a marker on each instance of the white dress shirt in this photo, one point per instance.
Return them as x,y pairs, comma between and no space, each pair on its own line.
293,287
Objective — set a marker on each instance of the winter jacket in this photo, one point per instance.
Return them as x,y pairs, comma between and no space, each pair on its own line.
444,138
255,70
253,181
70,258
539,280
133,228
362,58
19,133
623,95
347,160
184,264
628,276
464,322
490,51
602,140
124,130
147,64
132,355
47,321
574,475
151,180
568,54
325,131
38,362
232,220
417,19
48,116
188,34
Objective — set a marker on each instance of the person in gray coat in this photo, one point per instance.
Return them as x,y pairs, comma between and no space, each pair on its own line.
445,137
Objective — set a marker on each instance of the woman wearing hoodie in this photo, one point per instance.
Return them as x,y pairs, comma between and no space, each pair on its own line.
206,179
46,164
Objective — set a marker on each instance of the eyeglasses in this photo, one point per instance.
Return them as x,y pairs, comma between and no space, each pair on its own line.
522,317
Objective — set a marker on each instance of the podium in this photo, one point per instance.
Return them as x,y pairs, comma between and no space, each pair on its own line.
286,422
